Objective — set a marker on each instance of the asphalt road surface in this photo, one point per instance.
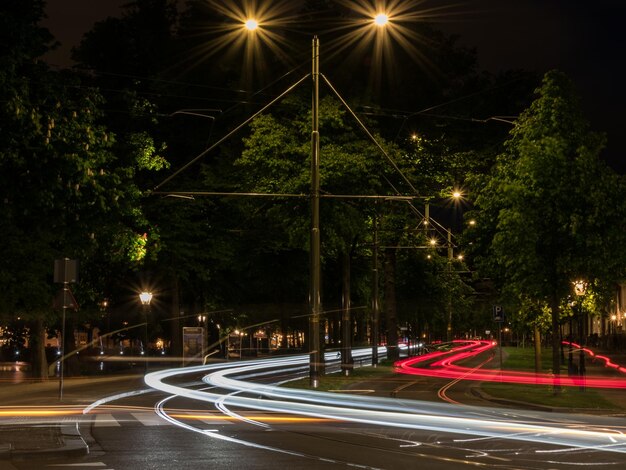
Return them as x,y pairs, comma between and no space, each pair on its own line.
233,416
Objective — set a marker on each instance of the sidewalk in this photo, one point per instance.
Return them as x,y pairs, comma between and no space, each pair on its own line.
47,442
20,441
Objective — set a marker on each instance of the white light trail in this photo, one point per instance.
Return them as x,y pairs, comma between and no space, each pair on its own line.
377,411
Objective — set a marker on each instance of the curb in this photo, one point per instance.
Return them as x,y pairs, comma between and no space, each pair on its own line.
478,393
73,446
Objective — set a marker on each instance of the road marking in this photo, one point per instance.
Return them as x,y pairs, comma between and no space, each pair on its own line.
214,422
88,464
105,420
150,419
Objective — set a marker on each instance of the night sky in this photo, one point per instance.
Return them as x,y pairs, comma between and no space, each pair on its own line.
583,39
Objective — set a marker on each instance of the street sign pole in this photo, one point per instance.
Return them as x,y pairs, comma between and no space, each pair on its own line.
65,288
498,317
500,343
65,271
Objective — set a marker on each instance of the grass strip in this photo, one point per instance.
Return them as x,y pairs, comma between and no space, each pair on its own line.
543,395
339,381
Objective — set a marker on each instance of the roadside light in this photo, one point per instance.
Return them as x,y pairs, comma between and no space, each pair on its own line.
251,24
456,194
381,19
145,297
580,287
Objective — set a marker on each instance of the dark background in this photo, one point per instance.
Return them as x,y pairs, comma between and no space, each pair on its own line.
583,39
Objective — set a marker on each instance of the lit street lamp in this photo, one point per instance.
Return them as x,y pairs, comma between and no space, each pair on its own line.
254,26
580,287
316,362
145,298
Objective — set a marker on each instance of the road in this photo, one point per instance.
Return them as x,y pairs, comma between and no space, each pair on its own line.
232,415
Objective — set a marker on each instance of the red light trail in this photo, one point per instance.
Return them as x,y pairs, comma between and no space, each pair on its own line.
443,364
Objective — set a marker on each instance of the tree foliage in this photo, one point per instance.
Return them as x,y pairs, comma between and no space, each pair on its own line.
66,181
549,213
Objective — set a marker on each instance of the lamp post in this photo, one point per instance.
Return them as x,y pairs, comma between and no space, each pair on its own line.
570,354
456,196
145,298
203,322
580,287
375,306
316,365
316,357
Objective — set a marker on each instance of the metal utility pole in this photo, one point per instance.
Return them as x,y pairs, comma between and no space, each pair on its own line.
375,306
316,366
347,362
449,329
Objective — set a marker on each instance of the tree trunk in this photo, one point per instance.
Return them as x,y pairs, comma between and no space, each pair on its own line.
391,317
346,321
537,334
556,356
71,366
177,340
39,363
284,327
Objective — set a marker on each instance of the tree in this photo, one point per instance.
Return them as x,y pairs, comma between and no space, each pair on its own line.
66,184
550,211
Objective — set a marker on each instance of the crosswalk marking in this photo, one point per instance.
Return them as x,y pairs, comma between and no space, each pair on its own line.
78,465
105,419
215,422
150,419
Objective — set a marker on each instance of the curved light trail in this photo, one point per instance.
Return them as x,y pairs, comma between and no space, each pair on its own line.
230,390
442,364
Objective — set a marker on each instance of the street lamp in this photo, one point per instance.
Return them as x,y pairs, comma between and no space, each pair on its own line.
316,364
203,322
145,298
251,24
580,287
381,19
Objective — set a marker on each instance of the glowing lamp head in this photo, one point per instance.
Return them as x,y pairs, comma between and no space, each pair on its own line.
251,24
381,20
580,287
145,298
456,194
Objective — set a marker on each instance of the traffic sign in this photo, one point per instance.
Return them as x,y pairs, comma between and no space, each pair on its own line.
65,271
65,299
498,313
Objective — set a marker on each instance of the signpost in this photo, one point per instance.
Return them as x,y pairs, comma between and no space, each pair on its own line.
498,317
65,272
